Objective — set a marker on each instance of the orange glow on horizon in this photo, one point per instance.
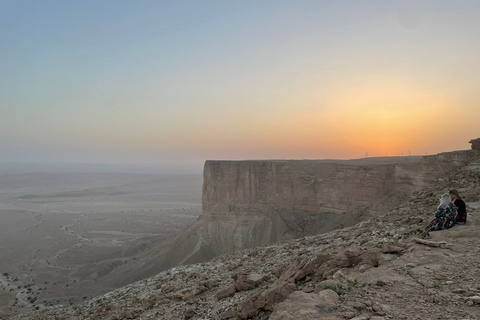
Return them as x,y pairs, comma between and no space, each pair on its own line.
381,119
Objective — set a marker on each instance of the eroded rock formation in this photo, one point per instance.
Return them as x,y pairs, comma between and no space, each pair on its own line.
475,144
252,203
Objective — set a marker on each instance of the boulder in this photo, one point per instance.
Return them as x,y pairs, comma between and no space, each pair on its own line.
322,285
226,292
390,248
245,282
297,270
322,258
265,299
475,299
301,305
336,262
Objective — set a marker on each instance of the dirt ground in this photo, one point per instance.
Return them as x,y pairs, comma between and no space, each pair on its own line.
68,237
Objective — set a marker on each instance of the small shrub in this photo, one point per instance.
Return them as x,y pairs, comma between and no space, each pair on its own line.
380,283
437,285
339,289
352,284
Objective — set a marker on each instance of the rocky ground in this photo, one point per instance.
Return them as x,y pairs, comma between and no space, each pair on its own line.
378,269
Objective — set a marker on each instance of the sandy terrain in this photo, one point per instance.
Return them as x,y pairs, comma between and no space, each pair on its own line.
66,237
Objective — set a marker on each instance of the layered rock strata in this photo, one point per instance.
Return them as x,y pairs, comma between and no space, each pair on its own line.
253,203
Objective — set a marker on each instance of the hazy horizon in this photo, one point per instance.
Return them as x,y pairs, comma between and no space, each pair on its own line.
7,167
172,84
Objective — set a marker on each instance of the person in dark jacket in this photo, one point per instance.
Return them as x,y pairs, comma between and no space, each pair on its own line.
445,217
460,206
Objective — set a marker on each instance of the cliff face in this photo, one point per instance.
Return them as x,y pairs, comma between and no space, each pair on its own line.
362,187
252,203
258,187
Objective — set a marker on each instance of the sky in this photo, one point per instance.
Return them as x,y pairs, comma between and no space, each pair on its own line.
181,82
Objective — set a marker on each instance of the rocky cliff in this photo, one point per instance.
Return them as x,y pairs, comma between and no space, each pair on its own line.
377,269
253,203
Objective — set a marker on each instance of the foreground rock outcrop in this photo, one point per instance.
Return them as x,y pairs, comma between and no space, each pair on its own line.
373,270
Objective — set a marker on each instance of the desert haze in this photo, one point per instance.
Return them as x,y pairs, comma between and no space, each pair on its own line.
65,237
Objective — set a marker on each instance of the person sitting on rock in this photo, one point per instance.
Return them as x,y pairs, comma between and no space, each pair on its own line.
445,217
459,206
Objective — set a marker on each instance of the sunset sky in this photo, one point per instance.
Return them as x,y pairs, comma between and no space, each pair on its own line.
186,81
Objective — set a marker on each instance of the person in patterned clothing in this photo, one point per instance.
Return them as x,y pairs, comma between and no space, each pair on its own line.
445,217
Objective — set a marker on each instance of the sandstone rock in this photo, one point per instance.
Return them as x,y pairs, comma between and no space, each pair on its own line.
372,258
297,270
356,305
177,296
324,284
354,256
229,314
333,265
459,290
475,299
209,284
265,299
380,309
300,305
328,297
275,295
364,267
339,276
309,289
349,315
322,258
245,282
226,292
190,313
390,248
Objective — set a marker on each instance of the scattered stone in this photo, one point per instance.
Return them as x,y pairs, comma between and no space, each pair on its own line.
300,305
297,270
349,315
245,282
459,290
266,299
380,309
322,285
390,248
226,292
190,313
229,314
474,299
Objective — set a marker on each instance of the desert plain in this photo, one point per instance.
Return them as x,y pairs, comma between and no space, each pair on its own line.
66,237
